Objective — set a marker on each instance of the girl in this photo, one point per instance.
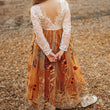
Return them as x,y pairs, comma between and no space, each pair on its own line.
54,79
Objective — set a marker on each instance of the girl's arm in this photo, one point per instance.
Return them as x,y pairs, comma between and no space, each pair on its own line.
66,29
40,38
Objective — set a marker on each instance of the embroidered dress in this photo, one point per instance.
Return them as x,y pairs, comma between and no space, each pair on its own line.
59,84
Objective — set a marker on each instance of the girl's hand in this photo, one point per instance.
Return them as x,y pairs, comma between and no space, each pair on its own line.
59,54
52,57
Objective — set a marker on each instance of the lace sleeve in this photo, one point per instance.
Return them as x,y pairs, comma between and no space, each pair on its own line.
40,38
66,29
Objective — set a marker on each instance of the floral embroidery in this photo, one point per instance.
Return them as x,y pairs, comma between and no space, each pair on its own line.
72,82
51,67
35,62
35,85
34,89
65,62
75,67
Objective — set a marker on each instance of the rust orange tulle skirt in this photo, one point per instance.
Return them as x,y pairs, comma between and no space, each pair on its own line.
52,85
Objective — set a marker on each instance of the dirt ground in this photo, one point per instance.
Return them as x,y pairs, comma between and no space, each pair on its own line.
91,39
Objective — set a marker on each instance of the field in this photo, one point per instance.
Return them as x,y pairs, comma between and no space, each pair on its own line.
91,39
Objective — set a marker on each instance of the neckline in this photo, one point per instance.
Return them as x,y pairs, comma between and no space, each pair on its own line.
48,18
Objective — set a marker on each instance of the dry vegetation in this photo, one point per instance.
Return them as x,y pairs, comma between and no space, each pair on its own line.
91,39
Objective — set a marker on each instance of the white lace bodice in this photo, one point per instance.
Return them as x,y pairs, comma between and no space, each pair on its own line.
62,20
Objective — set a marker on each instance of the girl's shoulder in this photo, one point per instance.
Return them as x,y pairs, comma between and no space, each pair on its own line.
64,1
35,9
65,4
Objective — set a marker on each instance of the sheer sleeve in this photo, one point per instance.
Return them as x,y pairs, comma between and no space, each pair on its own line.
66,29
40,38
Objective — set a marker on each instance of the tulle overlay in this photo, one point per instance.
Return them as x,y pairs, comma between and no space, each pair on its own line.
52,85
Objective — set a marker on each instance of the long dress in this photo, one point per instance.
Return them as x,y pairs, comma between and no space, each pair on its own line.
59,84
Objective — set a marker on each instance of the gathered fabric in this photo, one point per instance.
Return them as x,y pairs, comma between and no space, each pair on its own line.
52,85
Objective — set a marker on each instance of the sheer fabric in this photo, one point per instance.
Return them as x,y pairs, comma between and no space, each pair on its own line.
66,29
53,85
62,20
40,39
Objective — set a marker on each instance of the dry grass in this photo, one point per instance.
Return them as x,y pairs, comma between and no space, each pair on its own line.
91,39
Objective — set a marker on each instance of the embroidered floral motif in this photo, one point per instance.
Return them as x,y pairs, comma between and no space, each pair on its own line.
35,62
35,85
51,67
34,89
75,67
65,62
72,82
